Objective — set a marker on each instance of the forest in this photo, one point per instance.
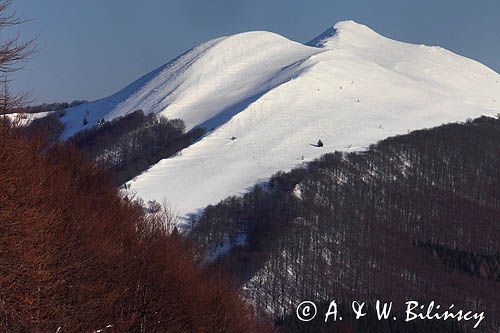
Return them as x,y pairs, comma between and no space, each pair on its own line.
77,257
129,145
415,216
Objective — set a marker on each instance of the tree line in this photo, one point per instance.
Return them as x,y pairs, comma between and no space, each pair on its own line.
47,107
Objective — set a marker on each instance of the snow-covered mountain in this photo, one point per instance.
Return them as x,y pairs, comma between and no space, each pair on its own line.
269,100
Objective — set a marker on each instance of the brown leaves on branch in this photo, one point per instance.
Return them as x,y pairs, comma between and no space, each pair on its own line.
76,256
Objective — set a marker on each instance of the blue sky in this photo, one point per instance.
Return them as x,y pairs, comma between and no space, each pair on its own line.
91,48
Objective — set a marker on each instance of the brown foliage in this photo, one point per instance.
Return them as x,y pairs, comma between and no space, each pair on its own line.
74,256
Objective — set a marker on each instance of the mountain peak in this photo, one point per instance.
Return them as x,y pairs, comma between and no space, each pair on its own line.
278,98
345,31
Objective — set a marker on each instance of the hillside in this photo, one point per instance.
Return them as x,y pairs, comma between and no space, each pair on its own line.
414,217
268,100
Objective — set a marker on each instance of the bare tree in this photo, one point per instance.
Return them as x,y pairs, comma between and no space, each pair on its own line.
13,55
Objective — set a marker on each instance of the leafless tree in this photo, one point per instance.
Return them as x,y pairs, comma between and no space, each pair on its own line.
13,54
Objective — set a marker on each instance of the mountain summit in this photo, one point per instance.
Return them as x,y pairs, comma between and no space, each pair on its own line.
268,100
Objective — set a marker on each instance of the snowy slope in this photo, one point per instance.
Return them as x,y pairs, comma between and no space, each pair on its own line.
205,86
349,87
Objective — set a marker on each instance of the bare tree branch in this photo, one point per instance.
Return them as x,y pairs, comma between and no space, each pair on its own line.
13,55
